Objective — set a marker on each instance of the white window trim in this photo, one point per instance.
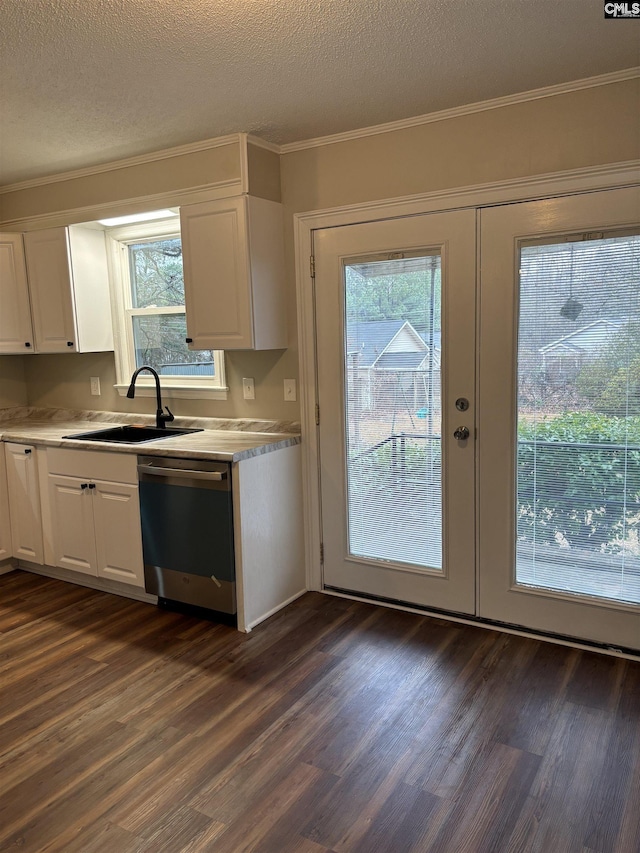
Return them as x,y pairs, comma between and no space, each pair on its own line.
181,387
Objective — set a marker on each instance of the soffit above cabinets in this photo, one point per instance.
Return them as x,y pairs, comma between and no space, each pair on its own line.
85,83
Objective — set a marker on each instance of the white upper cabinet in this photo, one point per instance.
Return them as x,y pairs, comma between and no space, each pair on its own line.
69,286
234,274
16,335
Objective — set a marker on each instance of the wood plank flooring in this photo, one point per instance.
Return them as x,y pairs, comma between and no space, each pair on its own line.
335,726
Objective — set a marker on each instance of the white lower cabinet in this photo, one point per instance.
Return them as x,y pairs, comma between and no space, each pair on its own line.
95,523
116,519
24,492
6,551
71,506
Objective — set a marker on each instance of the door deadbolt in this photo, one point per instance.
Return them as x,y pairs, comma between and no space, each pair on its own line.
461,433
462,404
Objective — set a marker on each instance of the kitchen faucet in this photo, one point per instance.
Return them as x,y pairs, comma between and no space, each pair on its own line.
161,418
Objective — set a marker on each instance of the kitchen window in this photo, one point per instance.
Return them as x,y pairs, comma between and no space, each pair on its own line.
149,314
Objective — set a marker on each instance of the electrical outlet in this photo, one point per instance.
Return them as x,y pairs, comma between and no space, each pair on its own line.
248,391
95,386
290,390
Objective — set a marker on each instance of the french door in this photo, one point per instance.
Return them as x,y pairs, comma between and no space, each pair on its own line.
559,419
395,305
480,412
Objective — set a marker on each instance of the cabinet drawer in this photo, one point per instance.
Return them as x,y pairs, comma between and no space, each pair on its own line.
94,465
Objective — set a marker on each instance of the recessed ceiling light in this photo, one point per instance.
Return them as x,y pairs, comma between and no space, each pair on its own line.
138,217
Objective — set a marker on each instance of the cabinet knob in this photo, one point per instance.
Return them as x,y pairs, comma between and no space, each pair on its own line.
84,485
27,344
69,343
188,340
27,450
92,485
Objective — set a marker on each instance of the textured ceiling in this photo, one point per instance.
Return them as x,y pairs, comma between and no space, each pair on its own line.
83,82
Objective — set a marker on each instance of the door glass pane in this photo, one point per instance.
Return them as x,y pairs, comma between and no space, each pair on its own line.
578,506
393,393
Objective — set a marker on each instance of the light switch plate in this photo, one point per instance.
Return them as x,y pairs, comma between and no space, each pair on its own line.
248,390
95,386
290,390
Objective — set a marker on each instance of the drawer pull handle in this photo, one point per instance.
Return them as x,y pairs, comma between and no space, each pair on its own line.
183,473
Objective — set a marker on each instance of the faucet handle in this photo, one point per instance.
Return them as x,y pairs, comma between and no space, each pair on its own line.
168,417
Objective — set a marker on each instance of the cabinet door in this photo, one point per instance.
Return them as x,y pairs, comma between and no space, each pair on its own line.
5,524
24,499
91,299
215,251
234,274
116,512
50,285
71,502
16,335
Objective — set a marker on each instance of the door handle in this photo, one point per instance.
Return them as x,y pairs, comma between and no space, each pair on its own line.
461,433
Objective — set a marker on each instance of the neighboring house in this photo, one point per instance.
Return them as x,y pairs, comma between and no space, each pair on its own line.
563,358
198,368
390,363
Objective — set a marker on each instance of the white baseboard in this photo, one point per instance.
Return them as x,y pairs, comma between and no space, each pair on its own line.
99,584
273,610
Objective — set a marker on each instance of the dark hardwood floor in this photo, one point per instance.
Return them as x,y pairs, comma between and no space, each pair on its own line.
335,726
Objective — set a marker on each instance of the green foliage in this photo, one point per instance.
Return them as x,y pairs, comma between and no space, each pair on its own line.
575,480
401,296
611,382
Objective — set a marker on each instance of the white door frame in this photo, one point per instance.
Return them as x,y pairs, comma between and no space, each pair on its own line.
481,195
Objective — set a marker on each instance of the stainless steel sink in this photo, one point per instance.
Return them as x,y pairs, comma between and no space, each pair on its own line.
131,434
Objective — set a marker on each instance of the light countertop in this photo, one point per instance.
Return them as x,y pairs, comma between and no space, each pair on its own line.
224,440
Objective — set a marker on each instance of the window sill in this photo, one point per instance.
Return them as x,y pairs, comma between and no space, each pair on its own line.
183,392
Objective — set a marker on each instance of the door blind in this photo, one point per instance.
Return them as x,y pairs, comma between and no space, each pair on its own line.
578,472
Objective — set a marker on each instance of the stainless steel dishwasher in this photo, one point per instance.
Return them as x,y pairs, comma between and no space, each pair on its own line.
187,531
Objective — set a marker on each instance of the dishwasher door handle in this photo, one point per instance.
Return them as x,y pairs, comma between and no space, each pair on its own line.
182,473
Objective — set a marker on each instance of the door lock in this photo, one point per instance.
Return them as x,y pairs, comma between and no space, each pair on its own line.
462,404
462,433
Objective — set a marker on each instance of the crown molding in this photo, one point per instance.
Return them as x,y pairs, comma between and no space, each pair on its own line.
141,159
262,143
244,163
317,142
467,109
